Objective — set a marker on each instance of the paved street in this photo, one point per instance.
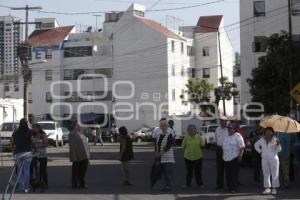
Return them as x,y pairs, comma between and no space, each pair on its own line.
104,179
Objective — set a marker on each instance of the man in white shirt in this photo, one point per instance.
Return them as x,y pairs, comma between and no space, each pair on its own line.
233,149
221,133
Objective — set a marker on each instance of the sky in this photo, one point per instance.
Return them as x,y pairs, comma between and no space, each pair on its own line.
188,17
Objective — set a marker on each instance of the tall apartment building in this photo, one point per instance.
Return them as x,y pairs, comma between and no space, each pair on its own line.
10,38
135,69
259,19
212,45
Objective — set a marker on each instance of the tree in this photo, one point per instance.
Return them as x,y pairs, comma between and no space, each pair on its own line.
270,80
227,92
197,91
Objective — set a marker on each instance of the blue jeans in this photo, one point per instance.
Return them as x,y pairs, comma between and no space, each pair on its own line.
168,174
24,178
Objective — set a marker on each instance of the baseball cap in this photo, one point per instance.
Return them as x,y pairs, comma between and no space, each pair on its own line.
232,125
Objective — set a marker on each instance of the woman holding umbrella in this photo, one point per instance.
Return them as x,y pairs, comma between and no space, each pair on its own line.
268,147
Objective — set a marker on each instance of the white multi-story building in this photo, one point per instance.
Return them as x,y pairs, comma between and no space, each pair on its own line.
10,38
139,69
212,45
259,19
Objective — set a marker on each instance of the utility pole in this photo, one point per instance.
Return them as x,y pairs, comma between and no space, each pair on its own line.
97,21
221,68
290,52
24,52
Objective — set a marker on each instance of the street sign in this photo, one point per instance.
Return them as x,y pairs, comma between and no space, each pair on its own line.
295,93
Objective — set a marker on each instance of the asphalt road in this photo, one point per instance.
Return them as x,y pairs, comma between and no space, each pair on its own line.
104,179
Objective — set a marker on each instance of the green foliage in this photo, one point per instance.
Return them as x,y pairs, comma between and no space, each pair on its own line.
229,90
270,80
197,91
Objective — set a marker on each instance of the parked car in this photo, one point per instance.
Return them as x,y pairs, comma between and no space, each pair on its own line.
6,131
65,136
53,131
209,135
140,135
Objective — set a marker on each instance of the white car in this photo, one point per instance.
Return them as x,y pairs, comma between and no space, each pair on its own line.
6,131
208,132
53,131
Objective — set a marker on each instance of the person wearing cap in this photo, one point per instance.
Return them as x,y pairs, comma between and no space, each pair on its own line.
79,156
269,147
221,133
126,154
233,149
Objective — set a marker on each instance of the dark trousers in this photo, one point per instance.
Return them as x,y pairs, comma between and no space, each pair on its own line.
168,174
78,173
43,171
220,167
38,170
191,167
232,169
256,163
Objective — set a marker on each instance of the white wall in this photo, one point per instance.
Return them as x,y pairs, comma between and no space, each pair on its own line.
10,104
213,60
275,21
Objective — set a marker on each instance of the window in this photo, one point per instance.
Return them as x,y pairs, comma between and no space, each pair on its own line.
173,70
295,7
296,38
259,44
259,8
48,53
173,95
173,46
49,97
182,48
139,13
48,75
205,51
206,72
29,97
77,73
193,72
38,54
78,51
105,71
182,71
68,74
190,51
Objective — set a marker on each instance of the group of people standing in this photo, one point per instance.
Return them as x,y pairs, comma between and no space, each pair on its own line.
27,141
230,147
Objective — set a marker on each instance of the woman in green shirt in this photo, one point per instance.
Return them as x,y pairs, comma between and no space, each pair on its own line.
193,153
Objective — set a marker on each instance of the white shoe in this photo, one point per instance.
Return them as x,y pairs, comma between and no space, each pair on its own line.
267,191
26,190
274,191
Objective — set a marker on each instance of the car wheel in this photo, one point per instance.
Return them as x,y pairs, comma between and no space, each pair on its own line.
56,141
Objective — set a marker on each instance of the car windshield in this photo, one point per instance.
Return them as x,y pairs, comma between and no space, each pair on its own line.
47,126
65,130
212,128
9,127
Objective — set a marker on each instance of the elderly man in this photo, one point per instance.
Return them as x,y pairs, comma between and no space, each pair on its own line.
164,152
221,134
79,156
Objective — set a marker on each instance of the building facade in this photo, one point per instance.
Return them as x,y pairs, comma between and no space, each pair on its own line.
135,69
212,48
10,38
260,19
